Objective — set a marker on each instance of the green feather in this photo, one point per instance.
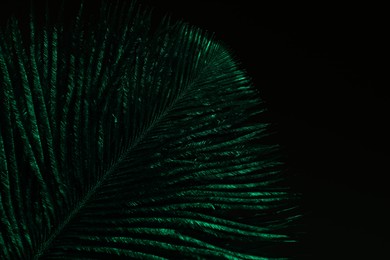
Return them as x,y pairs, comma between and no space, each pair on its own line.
119,141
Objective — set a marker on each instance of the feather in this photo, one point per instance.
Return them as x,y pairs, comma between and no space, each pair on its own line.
119,141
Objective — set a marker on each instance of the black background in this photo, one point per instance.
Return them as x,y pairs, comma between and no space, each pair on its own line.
321,70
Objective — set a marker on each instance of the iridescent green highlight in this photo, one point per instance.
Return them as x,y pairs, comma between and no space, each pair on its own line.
116,141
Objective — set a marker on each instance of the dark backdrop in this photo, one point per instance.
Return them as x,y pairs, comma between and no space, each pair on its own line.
321,71
320,68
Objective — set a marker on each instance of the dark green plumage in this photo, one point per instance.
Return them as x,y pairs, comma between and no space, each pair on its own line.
121,141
